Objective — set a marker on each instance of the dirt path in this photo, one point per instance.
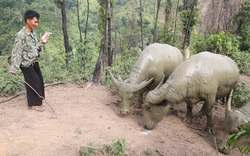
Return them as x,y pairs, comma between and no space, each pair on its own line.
85,114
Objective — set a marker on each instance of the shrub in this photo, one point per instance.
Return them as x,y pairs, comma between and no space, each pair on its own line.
118,148
241,95
226,44
121,67
9,84
243,133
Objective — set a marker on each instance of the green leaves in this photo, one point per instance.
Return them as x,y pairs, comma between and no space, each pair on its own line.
184,16
10,84
122,66
118,148
236,138
242,95
223,43
226,44
243,29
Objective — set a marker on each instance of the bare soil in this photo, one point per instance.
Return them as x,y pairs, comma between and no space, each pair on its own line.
90,114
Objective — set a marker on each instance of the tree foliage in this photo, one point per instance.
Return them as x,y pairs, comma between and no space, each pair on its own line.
226,44
125,33
243,29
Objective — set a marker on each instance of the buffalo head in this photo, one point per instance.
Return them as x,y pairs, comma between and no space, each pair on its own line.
155,107
234,120
127,91
153,114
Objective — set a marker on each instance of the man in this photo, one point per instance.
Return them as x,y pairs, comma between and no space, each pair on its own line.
25,55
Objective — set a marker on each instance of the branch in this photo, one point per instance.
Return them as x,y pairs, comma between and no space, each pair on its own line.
22,92
53,84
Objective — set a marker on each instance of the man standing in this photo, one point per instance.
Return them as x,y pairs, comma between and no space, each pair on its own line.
25,55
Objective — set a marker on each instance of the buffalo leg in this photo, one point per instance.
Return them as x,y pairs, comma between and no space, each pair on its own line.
140,99
202,111
208,107
189,114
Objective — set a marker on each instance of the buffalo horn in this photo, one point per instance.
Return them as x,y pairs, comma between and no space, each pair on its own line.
229,101
160,83
159,97
120,79
115,81
142,85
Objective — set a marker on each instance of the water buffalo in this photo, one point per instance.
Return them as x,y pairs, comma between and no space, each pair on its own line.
233,121
202,77
156,61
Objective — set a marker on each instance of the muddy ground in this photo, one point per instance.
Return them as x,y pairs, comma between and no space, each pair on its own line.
90,114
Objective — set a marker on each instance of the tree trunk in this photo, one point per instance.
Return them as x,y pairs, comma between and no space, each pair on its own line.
219,19
167,10
175,20
78,19
187,29
156,20
98,72
105,38
65,33
115,46
141,26
105,56
86,27
185,4
83,64
108,20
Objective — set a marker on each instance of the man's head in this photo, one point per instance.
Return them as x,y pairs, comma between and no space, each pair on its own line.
31,19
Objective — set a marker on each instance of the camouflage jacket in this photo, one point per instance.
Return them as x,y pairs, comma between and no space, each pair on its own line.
25,50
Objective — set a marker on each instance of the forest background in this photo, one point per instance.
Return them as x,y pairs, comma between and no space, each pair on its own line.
91,36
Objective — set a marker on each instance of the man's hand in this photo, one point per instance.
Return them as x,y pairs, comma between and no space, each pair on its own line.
45,37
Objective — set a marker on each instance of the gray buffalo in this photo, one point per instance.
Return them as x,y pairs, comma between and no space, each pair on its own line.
233,121
203,77
155,63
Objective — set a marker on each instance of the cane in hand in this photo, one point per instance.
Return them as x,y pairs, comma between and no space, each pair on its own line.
37,93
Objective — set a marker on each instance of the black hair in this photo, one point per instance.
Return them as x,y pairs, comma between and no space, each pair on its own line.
31,14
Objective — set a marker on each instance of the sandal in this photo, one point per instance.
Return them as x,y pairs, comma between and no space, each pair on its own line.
38,108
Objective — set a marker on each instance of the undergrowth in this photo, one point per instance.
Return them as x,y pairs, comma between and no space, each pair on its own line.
235,138
117,148
241,96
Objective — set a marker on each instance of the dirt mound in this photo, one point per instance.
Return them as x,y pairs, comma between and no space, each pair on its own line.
90,114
